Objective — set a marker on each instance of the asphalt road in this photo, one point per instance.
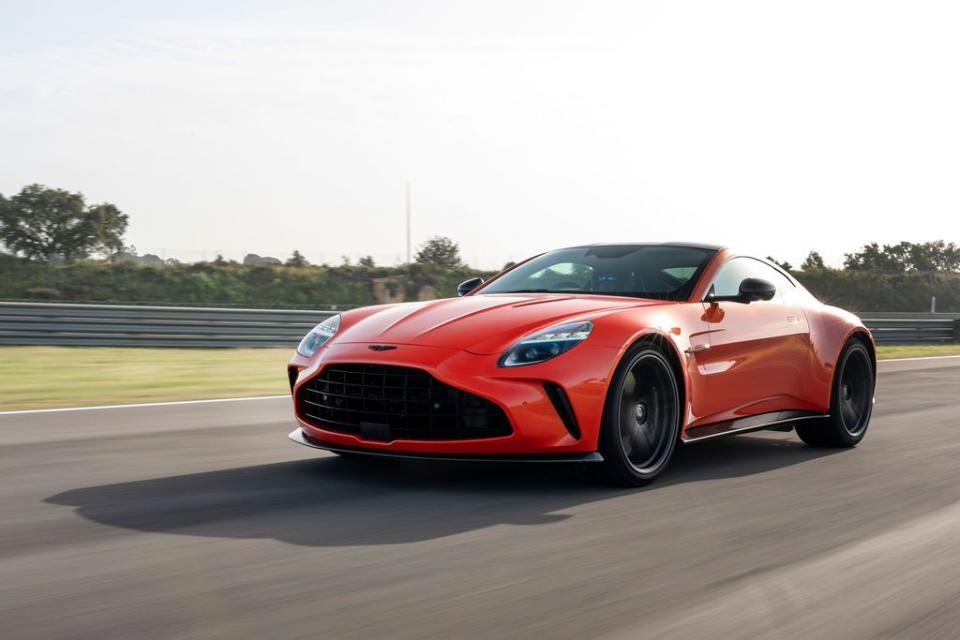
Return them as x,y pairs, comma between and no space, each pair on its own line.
203,520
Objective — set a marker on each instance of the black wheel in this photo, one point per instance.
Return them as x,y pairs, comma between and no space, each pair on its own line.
641,421
851,402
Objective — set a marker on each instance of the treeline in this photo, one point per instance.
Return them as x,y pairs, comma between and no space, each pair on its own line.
312,286
59,248
53,238
875,291
226,283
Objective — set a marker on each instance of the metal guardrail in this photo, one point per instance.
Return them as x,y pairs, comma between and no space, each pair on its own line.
135,326
27,323
906,328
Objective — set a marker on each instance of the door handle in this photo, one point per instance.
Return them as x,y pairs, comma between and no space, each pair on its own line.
697,348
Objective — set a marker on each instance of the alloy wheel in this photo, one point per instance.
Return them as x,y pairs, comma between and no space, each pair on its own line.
648,412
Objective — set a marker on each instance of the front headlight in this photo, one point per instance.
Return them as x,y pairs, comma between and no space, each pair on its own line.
546,344
318,335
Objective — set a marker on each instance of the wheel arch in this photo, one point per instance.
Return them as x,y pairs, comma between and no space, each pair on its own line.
860,334
831,329
863,335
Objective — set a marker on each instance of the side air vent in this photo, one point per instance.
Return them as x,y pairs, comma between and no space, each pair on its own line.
562,404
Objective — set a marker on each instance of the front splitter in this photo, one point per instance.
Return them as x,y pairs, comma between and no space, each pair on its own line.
298,436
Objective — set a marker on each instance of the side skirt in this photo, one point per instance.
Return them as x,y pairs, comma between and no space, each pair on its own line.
758,422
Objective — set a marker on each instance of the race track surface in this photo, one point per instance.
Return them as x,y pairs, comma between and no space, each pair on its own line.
203,520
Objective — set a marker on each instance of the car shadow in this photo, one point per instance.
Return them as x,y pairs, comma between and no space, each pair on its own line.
331,501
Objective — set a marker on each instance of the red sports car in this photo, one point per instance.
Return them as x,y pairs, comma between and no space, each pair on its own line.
610,354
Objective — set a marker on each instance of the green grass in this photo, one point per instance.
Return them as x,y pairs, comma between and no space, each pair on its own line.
44,377
886,352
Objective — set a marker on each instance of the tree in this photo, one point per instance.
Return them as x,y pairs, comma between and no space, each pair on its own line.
367,262
439,251
813,261
252,259
4,203
128,255
872,257
297,260
786,266
53,224
905,256
933,256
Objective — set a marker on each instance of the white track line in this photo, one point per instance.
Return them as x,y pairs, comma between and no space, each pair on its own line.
176,402
882,360
142,404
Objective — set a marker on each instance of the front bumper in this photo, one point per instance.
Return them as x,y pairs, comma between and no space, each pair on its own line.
537,428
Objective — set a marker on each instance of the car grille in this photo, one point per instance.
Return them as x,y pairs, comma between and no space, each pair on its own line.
385,402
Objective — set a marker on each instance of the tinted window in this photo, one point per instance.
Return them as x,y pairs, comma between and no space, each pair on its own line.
642,271
728,279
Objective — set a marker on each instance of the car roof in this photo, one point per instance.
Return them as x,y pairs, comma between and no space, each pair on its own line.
684,245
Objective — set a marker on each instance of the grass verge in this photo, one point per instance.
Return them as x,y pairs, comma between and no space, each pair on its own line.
47,377
886,352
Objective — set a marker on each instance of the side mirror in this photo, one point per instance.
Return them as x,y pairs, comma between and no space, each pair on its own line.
751,290
467,286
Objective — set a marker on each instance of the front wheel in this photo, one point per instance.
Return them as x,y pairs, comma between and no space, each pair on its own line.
851,402
641,421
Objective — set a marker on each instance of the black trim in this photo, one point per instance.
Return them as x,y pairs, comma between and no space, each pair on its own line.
680,245
757,422
388,402
562,405
298,436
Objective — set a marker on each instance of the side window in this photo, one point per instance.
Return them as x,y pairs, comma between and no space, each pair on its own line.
785,288
728,279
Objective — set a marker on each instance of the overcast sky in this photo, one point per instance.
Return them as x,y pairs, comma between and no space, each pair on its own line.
265,126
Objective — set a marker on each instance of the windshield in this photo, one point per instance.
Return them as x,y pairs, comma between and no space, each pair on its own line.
640,271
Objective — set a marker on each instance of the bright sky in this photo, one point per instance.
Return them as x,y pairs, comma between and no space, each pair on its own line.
265,126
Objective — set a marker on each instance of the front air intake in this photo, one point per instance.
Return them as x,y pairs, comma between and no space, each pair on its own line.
386,402
562,405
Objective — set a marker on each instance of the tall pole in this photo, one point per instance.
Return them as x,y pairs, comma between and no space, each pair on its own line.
408,223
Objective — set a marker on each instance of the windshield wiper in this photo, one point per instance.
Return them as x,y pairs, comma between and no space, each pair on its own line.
526,291
536,291
615,294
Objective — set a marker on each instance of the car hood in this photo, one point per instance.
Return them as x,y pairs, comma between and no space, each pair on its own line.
481,324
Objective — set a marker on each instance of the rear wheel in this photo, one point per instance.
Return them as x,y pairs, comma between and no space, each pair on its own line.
851,402
641,421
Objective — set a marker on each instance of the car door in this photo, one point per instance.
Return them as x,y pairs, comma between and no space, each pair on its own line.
757,351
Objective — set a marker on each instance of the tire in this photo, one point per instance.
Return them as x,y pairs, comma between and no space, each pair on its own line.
851,401
641,418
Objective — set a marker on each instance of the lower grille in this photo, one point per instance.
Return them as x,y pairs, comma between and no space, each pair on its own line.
386,402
